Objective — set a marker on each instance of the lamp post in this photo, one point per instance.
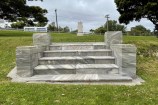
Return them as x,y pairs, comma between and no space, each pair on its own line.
107,16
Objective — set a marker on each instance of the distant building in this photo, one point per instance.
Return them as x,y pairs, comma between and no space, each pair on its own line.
5,23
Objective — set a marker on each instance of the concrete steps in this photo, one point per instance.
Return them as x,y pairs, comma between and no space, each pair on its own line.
77,60
77,69
60,53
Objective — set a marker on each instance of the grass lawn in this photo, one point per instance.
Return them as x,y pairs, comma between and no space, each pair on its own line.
47,94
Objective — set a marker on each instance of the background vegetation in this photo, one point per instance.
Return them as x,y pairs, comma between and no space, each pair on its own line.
49,94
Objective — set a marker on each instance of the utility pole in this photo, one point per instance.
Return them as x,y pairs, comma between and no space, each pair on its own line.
56,19
107,16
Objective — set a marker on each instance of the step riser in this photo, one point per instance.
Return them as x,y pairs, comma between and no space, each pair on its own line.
53,72
59,54
78,47
72,61
76,71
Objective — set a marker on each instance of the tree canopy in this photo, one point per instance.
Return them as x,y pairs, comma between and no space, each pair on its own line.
140,30
136,9
112,25
52,27
18,10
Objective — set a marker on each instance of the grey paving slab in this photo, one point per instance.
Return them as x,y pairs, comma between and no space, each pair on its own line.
79,79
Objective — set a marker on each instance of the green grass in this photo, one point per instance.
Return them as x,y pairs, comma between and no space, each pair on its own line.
47,94
59,37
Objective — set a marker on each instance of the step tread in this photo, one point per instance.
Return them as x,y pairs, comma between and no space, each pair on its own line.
97,50
82,78
76,57
78,66
78,43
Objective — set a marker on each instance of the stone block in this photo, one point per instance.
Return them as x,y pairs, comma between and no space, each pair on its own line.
126,58
26,50
26,60
41,39
113,37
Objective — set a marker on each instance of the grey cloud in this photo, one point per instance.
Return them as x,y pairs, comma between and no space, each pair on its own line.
90,12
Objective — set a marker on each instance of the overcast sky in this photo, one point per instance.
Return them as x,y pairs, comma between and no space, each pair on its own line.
90,12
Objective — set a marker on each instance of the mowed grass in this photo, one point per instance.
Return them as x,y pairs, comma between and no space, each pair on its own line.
49,94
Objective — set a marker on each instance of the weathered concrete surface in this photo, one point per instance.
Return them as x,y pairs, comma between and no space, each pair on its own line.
113,37
77,60
87,79
77,69
126,58
27,56
78,46
81,53
41,39
26,60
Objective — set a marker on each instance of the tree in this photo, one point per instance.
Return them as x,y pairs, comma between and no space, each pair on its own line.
74,31
92,31
140,30
136,9
112,25
14,10
19,25
100,30
66,29
52,27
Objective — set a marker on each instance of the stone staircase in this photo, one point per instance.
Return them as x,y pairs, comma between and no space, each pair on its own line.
88,62
66,61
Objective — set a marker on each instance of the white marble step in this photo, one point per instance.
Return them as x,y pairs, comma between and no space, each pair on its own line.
77,60
58,53
78,43
77,46
82,78
77,69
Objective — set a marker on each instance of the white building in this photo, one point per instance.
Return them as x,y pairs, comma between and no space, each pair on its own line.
5,23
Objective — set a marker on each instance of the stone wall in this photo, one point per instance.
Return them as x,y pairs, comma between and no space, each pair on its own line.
27,56
125,58
125,53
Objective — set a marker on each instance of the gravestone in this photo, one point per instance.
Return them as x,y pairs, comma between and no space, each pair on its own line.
80,29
